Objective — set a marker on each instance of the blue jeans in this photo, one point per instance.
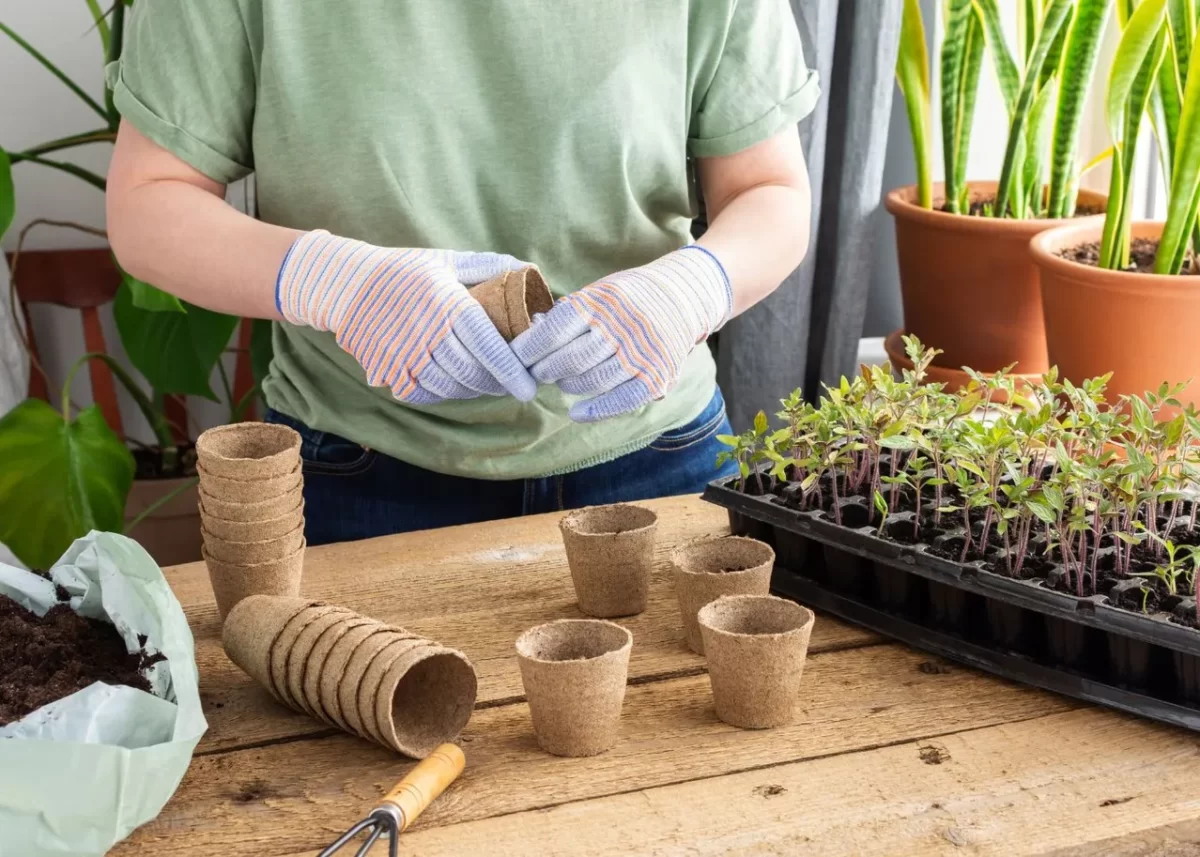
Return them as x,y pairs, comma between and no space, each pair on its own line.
355,493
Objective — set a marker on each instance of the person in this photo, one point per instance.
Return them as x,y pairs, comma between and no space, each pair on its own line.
404,150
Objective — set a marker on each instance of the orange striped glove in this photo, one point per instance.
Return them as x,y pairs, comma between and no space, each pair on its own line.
621,341
404,315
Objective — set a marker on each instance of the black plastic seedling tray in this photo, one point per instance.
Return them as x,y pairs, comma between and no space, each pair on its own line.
1018,629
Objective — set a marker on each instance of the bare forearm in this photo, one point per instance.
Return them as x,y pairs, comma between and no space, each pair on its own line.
759,205
178,233
760,237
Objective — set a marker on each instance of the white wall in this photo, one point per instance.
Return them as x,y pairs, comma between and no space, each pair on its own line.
36,107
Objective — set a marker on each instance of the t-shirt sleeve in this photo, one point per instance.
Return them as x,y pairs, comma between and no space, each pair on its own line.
760,84
186,80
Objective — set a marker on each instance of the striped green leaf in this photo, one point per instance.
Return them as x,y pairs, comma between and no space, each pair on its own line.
1185,177
1134,69
1007,72
1029,16
1057,49
954,54
1052,23
968,90
912,76
1165,106
1077,69
1037,143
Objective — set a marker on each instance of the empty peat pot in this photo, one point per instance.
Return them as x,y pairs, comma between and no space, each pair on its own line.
231,582
249,451
756,646
610,550
512,299
707,568
574,673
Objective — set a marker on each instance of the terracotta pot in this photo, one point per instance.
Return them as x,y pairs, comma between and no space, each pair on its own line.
954,379
1140,327
171,533
968,284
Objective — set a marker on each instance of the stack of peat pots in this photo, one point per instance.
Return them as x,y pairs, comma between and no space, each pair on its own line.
251,510
373,680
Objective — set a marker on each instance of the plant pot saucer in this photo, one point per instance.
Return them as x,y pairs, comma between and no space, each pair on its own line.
954,379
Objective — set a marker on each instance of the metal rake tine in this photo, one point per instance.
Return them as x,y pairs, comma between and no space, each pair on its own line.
371,840
347,836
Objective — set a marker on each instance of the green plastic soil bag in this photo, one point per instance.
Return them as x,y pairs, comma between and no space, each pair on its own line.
77,775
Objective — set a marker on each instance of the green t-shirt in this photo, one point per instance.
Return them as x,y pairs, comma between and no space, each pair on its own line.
559,131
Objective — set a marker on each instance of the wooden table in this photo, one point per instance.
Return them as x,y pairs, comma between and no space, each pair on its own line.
896,752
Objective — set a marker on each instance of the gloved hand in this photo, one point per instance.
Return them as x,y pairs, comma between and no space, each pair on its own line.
405,315
622,340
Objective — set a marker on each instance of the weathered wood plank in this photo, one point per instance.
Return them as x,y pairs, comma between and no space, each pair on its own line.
1170,840
296,795
1071,779
475,588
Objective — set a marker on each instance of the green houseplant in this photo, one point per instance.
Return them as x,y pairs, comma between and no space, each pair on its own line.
967,284
65,470
1136,277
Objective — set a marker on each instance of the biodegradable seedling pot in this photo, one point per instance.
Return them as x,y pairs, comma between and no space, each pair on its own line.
968,284
302,650
248,490
256,552
425,699
262,510
252,531
249,451
512,299
756,646
231,582
336,665
610,550
706,569
251,629
282,650
356,670
368,686
319,657
1140,327
574,673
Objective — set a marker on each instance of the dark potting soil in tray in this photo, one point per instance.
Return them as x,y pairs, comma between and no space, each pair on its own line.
1141,256
44,658
984,207
945,540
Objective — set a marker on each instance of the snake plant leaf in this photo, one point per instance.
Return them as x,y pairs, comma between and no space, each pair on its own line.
1007,73
8,194
1077,69
1182,18
1134,69
959,16
60,479
968,90
1038,142
1052,23
1029,16
1185,179
912,76
1166,106
177,352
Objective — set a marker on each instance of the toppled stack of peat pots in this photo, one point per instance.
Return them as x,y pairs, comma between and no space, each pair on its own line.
251,510
373,680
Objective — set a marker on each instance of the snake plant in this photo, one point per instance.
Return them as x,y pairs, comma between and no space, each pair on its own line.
1044,86
1155,71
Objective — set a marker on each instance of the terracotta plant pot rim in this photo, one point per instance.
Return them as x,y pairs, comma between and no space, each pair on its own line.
1045,244
899,202
894,346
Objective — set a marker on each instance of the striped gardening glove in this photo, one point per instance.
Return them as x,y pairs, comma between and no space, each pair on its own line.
404,315
621,341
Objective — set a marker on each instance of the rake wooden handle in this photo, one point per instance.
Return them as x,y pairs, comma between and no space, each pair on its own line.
413,794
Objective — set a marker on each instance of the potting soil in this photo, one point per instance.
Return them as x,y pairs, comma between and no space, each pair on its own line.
45,658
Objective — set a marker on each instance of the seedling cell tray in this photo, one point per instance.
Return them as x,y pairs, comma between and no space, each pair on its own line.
1018,629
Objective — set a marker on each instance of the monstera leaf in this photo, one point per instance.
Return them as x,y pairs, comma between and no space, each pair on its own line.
146,296
176,351
59,480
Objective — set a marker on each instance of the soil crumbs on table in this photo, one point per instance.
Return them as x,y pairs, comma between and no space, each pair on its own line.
44,658
1141,256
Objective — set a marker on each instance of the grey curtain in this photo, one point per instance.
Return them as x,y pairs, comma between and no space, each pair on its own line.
807,332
